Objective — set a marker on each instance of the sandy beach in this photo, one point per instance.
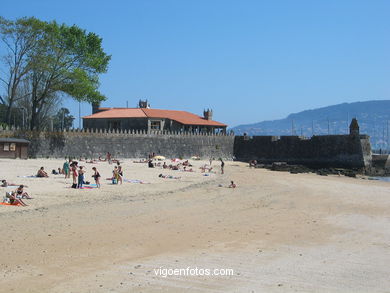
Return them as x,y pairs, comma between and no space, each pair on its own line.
277,232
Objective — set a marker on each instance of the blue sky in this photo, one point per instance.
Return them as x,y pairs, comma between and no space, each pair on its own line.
247,60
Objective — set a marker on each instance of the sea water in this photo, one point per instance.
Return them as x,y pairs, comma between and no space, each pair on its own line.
386,179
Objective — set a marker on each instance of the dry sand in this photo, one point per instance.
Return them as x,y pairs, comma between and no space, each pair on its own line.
277,231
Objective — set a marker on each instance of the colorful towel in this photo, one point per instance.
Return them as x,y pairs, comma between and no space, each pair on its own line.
8,204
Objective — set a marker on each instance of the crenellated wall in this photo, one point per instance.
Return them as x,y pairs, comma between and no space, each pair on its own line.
125,144
348,151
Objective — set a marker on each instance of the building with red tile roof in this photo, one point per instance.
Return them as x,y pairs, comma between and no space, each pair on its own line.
145,118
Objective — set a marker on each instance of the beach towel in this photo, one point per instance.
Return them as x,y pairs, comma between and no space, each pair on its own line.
8,204
135,181
31,176
84,187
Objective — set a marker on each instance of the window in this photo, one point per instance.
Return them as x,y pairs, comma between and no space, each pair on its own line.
6,147
114,124
12,147
155,125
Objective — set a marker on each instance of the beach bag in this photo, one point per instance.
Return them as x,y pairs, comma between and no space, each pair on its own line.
6,197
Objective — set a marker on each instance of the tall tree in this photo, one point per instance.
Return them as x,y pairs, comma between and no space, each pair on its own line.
20,38
65,61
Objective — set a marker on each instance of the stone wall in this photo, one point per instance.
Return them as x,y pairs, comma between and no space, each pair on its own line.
125,144
348,151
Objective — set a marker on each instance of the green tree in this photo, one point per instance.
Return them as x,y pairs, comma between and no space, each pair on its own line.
19,38
63,119
65,61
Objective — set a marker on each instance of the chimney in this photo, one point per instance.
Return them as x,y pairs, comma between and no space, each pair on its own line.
95,107
354,127
143,104
208,114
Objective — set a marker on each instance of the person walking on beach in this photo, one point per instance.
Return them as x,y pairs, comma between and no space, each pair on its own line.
108,157
96,176
66,169
81,177
222,166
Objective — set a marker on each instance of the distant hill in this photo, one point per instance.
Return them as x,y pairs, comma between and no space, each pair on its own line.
373,117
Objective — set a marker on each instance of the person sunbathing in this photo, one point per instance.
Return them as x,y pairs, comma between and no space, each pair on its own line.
42,173
4,183
20,193
168,176
205,168
13,200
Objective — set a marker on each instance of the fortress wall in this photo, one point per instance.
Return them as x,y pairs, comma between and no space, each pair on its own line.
320,151
347,151
134,144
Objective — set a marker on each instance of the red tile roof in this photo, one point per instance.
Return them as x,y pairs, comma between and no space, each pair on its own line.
182,117
118,113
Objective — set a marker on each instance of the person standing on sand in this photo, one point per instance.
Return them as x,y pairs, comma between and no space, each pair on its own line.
222,166
73,166
96,176
115,175
120,172
108,157
66,169
81,177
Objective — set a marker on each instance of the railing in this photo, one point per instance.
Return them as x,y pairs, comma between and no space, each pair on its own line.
18,131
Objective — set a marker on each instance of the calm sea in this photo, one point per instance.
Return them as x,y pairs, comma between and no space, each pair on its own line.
386,179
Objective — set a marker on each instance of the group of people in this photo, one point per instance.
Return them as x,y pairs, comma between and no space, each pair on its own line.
72,168
15,197
117,174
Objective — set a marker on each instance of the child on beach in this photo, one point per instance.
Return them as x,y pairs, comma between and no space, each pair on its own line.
115,175
81,177
96,176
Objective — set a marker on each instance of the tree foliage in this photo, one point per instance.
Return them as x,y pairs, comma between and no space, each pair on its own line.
63,120
61,61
